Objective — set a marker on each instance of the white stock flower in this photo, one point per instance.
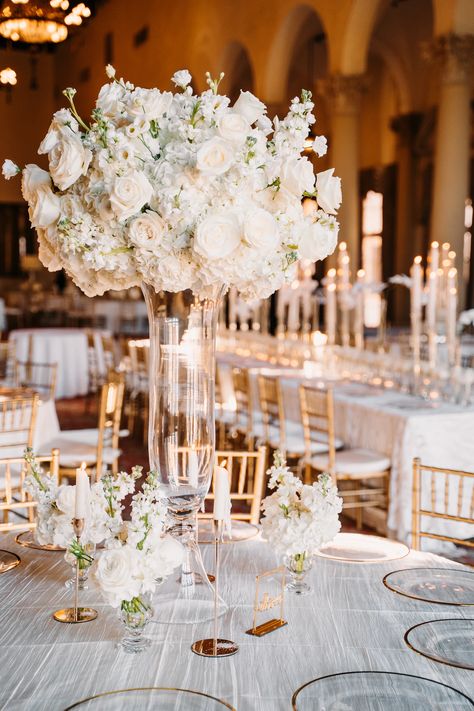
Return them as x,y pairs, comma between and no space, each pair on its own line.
320,146
181,78
249,106
297,176
214,157
233,127
43,207
9,169
114,574
129,194
261,230
147,230
318,239
329,193
32,178
218,235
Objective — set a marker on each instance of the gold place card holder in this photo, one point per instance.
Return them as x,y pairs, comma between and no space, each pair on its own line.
266,600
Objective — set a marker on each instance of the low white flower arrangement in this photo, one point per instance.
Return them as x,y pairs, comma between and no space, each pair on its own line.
299,518
180,191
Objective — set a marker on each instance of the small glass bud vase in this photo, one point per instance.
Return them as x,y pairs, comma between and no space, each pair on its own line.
298,565
85,564
135,614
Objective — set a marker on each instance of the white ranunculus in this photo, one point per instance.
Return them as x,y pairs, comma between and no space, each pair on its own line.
32,178
66,499
317,241
249,106
43,207
149,103
129,194
181,78
214,157
114,574
9,169
297,176
329,193
146,230
218,235
261,230
233,127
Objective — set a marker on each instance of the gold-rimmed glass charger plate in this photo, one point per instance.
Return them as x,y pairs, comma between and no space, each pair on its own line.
241,531
446,586
27,540
162,698
361,548
8,561
378,691
448,641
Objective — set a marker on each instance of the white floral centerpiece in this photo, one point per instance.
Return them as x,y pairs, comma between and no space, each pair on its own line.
179,191
299,518
137,558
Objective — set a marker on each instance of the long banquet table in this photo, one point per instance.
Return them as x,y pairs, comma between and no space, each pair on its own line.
350,622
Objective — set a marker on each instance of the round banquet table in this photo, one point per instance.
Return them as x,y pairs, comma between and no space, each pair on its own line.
350,622
65,346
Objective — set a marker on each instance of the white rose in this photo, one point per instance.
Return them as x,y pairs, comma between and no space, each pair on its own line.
9,169
146,231
68,160
233,127
329,193
217,236
47,251
63,123
110,98
181,78
43,207
63,532
149,103
214,157
261,230
317,241
114,574
32,178
297,176
249,106
129,194
66,499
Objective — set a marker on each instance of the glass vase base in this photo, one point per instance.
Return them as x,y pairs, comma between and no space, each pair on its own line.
298,588
71,582
134,645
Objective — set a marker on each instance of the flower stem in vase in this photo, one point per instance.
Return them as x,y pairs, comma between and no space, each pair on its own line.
135,615
298,565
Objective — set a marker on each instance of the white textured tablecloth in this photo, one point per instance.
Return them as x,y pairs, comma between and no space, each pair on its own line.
65,346
350,622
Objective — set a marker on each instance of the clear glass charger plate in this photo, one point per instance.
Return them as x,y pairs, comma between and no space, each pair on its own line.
447,586
162,698
360,548
378,691
241,531
449,641
8,560
27,540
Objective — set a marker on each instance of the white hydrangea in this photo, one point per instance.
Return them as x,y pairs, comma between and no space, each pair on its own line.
179,191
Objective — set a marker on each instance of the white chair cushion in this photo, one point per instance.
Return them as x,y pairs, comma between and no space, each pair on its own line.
356,462
73,451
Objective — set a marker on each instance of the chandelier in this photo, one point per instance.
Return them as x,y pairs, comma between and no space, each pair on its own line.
40,21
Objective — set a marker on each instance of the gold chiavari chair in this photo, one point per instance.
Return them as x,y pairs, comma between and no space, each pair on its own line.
243,408
39,377
247,473
7,358
359,467
17,424
98,448
13,497
443,495
138,401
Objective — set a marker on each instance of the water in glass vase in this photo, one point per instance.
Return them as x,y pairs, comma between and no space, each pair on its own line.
181,438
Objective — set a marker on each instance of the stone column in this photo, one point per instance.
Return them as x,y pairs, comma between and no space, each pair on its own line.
343,93
453,58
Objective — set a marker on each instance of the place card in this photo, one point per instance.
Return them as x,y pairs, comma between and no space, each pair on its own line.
269,595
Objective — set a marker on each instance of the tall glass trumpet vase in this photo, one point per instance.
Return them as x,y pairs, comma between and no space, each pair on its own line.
181,439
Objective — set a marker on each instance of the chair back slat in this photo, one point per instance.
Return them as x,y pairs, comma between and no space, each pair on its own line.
39,377
17,423
442,494
110,414
271,403
317,415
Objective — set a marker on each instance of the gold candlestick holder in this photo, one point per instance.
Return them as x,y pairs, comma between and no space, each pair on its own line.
76,614
215,647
